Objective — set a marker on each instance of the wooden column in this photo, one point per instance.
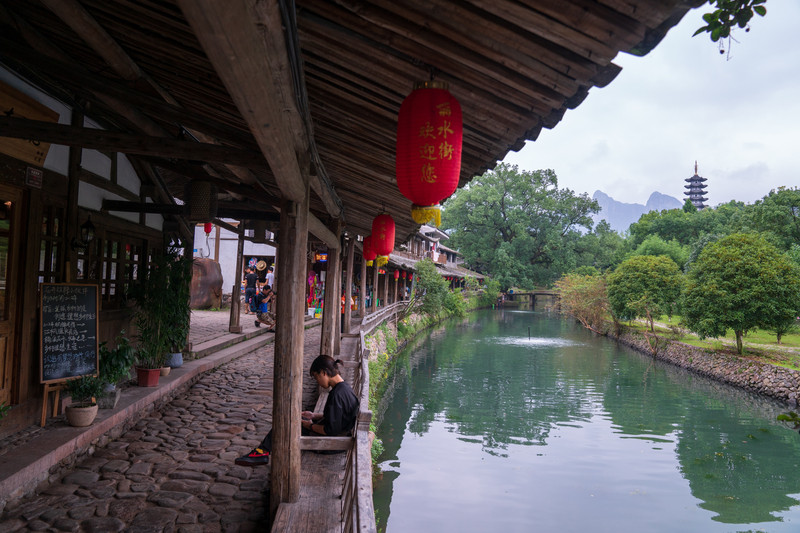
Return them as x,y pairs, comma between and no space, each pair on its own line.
386,289
71,230
333,294
234,324
288,374
374,306
362,297
396,283
348,284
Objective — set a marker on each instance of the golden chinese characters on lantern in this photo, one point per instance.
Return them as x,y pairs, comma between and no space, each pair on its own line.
428,159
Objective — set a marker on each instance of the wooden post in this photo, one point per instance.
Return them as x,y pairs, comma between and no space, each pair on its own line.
386,289
362,298
288,373
348,284
234,324
396,283
374,306
71,231
330,313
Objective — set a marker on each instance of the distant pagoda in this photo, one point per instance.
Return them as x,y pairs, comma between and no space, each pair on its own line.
696,189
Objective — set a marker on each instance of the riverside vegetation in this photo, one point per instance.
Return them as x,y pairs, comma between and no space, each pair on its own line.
431,302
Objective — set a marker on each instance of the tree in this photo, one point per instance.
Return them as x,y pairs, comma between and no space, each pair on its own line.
729,14
518,226
740,282
431,287
778,214
689,207
584,298
644,286
655,245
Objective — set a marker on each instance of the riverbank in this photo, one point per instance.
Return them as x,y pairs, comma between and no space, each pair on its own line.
782,384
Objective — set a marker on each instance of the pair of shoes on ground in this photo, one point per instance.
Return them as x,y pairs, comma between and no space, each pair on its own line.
258,324
258,456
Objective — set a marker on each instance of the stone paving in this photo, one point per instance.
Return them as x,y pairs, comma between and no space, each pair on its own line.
173,470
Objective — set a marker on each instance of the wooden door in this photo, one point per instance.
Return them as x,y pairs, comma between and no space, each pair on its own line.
10,285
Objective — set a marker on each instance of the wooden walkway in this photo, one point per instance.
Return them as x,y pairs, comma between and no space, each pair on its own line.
319,508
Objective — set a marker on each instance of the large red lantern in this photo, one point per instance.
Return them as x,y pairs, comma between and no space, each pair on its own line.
429,133
383,237
396,275
207,227
403,275
369,253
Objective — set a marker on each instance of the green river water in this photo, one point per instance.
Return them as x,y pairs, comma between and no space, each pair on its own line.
488,427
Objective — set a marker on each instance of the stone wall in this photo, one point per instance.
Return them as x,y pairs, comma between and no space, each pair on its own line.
780,383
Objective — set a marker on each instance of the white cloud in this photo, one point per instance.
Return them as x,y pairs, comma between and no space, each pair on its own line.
739,118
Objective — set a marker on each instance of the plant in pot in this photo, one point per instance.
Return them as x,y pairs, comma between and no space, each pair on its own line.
158,294
115,367
179,294
83,409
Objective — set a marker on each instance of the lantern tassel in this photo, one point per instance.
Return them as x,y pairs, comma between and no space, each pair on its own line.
422,214
369,263
382,260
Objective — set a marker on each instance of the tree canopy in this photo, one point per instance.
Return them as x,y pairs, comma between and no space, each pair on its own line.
644,286
518,226
740,282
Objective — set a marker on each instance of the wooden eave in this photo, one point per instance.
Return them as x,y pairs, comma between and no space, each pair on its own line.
514,65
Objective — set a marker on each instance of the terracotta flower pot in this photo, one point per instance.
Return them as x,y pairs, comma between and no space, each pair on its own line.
147,377
165,370
81,415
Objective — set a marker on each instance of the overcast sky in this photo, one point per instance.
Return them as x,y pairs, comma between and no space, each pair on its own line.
738,117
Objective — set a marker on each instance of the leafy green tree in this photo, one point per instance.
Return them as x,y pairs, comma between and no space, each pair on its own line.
778,215
601,248
728,15
431,287
740,282
688,206
655,245
644,286
518,226
584,297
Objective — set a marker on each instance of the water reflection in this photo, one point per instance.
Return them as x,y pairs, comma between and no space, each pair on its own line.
574,422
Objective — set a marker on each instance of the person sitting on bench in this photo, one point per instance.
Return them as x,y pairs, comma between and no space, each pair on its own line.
337,418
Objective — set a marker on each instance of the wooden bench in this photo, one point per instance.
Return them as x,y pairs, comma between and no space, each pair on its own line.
345,442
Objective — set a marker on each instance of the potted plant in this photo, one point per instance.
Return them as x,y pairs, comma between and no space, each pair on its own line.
159,297
179,294
83,409
115,366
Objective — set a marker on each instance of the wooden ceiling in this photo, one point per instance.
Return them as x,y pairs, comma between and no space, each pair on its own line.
332,74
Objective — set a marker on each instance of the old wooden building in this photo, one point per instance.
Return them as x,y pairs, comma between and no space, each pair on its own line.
142,116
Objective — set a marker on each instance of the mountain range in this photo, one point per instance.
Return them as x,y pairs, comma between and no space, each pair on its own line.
620,215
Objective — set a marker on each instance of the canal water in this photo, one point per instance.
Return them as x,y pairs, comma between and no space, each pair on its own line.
522,421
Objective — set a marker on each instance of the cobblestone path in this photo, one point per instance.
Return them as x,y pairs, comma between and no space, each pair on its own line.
173,471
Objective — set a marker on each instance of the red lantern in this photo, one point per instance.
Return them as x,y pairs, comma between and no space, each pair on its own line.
403,275
369,253
383,237
396,275
428,160
411,277
207,227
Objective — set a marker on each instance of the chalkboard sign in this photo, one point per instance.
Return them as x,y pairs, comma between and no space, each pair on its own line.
69,331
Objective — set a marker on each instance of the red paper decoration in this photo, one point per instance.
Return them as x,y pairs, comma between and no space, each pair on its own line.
369,253
207,227
396,275
403,274
383,237
428,160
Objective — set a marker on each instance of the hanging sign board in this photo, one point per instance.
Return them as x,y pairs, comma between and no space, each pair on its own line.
69,331
19,105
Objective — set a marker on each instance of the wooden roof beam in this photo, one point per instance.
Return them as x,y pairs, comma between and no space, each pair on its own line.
260,87
19,128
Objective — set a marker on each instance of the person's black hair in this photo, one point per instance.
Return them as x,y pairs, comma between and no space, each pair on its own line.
327,365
